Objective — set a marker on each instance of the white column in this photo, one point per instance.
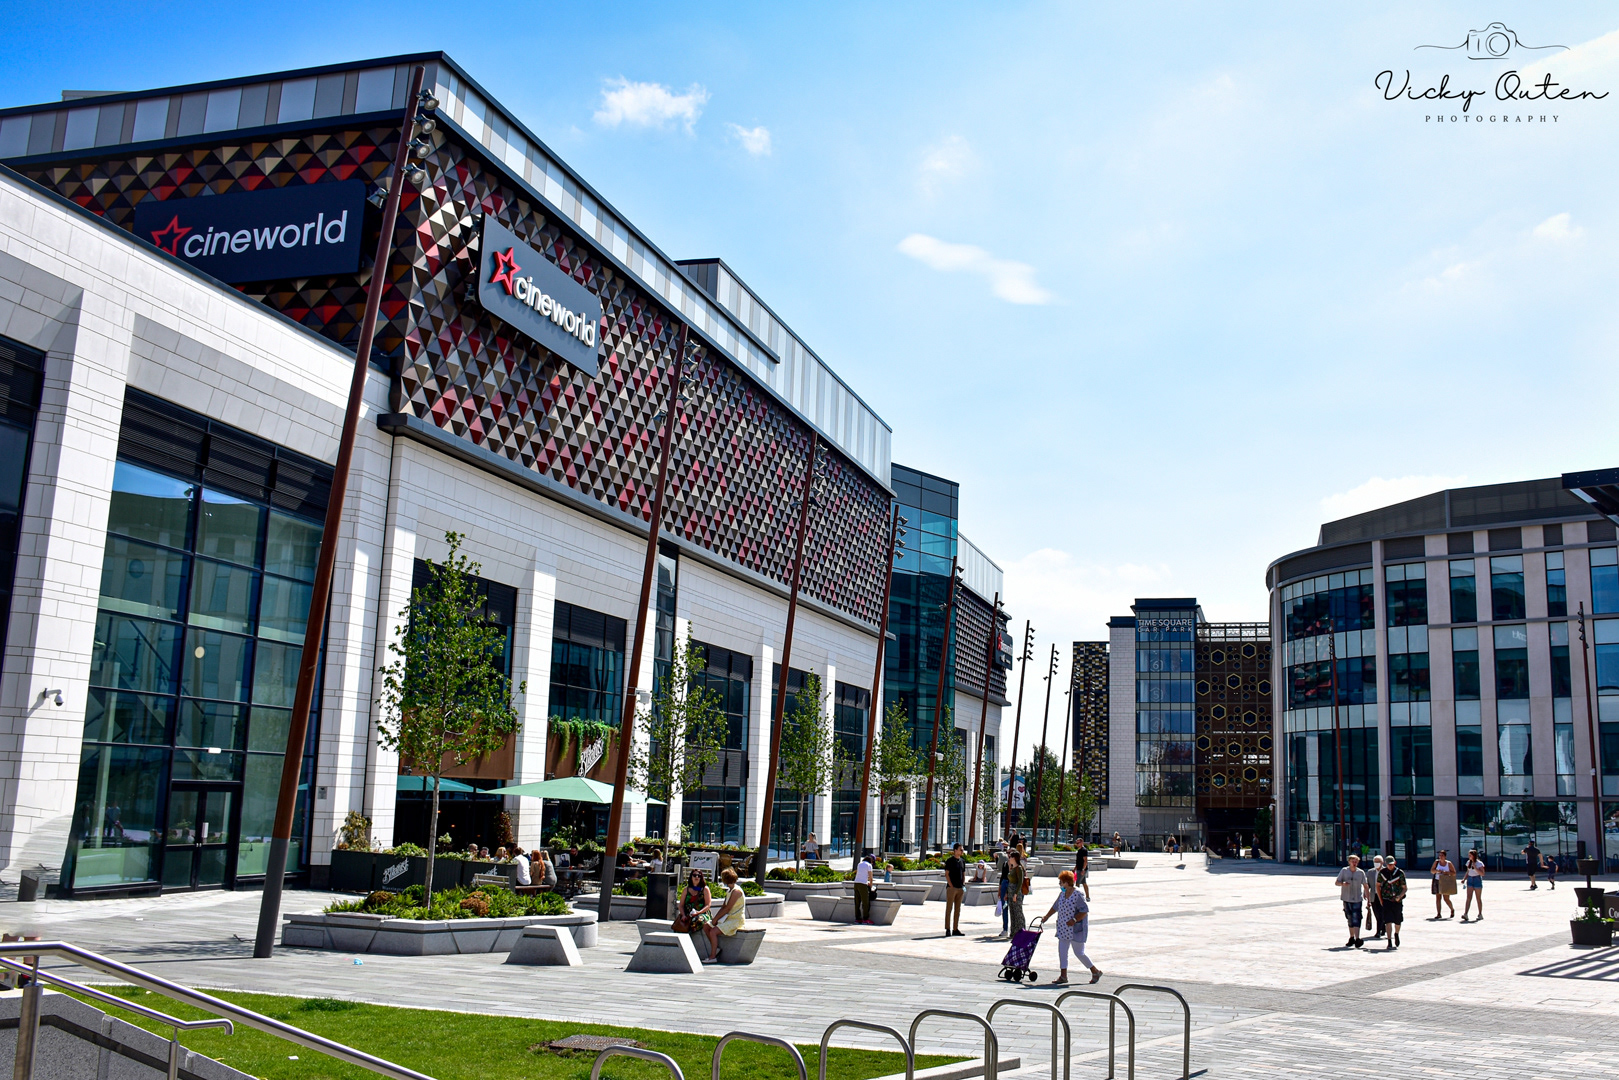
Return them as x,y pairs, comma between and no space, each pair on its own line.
531,662
382,765
634,820
758,744
821,805
676,809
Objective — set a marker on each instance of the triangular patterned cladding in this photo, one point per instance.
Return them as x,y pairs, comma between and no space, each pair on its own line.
739,456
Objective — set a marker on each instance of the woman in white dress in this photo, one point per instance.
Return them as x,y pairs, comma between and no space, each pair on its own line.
1073,926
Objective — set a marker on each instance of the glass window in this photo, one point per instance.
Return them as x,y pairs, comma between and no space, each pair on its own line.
1606,650
134,654
150,506
275,674
1506,587
115,819
138,579
291,546
222,596
1562,676
1563,747
1463,592
1408,677
122,717
207,764
1407,596
1469,750
1511,662
1412,761
228,528
1465,668
1517,767
216,665
1556,585
268,730
1604,581
263,782
284,611
209,723
587,663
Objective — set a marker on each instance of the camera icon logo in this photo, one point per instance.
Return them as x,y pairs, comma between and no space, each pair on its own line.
1496,41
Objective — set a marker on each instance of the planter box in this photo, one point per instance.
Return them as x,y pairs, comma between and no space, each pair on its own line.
912,877
981,895
396,873
841,909
1597,934
471,867
909,895
799,891
628,908
771,906
354,871
355,932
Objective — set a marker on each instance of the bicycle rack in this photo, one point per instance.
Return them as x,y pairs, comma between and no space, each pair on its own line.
767,1040
1186,1045
1113,1004
992,1045
1056,1018
910,1054
635,1052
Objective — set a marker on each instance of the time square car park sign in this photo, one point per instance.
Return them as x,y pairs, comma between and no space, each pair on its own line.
529,293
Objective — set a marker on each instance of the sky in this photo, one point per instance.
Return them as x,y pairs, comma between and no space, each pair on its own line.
1163,286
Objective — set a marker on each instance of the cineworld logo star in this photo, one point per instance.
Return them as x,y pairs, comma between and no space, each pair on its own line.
173,237
526,292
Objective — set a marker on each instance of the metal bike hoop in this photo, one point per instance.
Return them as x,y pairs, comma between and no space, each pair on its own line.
992,1045
1056,1018
767,1040
1186,1043
1113,1004
635,1052
826,1037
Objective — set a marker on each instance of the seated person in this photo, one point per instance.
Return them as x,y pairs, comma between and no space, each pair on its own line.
472,851
521,877
484,856
501,854
548,873
728,920
627,859
695,901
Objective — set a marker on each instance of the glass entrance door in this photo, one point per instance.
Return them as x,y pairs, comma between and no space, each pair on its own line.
197,848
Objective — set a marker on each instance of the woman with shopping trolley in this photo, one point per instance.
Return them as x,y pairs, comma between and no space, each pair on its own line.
1073,926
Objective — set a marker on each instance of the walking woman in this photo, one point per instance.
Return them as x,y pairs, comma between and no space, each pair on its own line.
1444,885
1390,890
1017,883
1073,927
1475,885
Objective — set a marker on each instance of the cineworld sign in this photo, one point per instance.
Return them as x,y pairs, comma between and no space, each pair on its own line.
305,230
527,292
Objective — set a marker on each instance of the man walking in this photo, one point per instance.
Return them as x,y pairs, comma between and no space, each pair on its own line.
1082,867
862,891
1391,887
955,888
1353,891
1531,858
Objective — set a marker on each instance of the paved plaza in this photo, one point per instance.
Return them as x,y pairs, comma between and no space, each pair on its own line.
1257,949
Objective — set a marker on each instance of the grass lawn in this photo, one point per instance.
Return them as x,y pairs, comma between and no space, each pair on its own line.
464,1046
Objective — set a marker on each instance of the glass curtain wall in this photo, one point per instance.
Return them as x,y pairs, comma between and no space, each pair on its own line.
713,812
851,711
1165,708
206,579
663,651
1501,830
21,376
787,830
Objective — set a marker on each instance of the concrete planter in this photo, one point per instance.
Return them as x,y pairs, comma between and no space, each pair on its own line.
909,895
628,908
911,877
981,895
353,871
841,909
1595,934
771,906
799,891
356,932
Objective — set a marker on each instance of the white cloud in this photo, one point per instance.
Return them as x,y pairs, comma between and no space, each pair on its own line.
943,162
649,104
1011,281
755,141
1378,492
1558,227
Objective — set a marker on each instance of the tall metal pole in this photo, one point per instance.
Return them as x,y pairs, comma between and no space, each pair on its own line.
983,716
874,714
1040,755
632,677
1017,723
1063,763
1591,730
1337,744
315,628
938,708
779,710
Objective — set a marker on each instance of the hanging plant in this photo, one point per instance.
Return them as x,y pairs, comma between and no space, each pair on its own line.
579,733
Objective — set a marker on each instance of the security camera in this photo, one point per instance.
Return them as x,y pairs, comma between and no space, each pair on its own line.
57,694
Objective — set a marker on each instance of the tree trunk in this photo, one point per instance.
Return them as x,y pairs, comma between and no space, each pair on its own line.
432,844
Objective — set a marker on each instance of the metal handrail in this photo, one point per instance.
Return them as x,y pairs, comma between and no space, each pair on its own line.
992,1045
767,1040
910,1054
1113,1004
1186,1044
635,1052
1056,1018
28,1021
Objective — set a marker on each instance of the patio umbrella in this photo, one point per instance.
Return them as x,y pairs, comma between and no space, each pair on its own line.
574,789
425,784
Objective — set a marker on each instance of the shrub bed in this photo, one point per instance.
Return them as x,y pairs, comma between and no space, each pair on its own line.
456,903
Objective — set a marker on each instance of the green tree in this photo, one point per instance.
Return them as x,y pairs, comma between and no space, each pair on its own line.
685,729
445,698
1079,804
1263,824
896,764
811,756
990,804
1041,780
951,778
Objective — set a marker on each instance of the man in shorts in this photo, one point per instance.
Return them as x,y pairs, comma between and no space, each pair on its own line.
1353,891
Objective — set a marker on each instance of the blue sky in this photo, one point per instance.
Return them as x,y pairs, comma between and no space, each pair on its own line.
1164,287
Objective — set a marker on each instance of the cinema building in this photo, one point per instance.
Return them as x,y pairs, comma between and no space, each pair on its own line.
1470,711
182,275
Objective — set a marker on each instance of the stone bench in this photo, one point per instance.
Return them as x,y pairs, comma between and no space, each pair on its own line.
909,895
841,909
550,946
665,954
739,948
983,895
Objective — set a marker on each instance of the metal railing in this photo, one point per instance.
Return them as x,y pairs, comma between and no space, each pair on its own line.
1056,1018
28,1020
1186,1043
905,1044
992,1045
767,1040
1113,1004
635,1052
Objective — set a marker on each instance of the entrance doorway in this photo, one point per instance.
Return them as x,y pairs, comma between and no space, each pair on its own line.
894,829
198,852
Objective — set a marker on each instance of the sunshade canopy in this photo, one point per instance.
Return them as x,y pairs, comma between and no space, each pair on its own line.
574,789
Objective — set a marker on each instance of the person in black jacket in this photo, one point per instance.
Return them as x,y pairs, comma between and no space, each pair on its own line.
955,888
1082,867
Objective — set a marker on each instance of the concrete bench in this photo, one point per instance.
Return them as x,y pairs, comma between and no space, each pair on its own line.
841,909
981,895
739,948
665,954
550,946
909,895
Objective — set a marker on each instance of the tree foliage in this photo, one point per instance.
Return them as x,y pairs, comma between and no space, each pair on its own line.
685,730
896,764
446,701
811,756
